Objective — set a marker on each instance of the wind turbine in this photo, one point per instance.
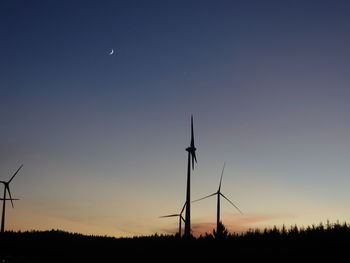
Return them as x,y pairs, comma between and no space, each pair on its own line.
191,158
4,199
219,194
181,218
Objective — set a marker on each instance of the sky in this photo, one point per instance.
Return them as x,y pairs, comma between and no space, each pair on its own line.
103,137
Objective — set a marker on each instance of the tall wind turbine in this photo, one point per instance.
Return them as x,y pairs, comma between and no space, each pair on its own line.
181,218
191,158
219,194
7,189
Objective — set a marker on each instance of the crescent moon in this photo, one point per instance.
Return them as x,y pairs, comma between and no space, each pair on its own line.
112,52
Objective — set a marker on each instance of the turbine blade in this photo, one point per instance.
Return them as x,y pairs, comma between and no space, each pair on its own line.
231,203
173,215
183,219
222,173
15,173
194,159
7,199
192,133
8,190
194,156
183,208
204,197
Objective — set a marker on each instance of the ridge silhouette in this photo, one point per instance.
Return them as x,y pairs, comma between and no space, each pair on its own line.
328,241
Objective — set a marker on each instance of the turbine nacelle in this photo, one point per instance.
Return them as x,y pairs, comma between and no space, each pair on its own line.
7,190
191,149
174,215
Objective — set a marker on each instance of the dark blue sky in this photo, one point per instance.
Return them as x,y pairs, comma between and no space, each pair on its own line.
267,82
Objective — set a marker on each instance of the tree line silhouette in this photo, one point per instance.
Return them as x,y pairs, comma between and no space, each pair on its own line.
330,240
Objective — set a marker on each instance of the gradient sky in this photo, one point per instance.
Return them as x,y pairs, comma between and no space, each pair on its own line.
102,138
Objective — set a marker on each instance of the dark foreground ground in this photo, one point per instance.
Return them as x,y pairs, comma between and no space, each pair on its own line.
327,243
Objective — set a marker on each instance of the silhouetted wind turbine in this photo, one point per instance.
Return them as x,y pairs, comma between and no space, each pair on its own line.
181,218
218,193
191,156
4,199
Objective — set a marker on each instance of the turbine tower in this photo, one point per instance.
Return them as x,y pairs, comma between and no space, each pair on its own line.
181,218
4,199
191,158
219,194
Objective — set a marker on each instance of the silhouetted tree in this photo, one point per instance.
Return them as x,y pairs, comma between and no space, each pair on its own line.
221,233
